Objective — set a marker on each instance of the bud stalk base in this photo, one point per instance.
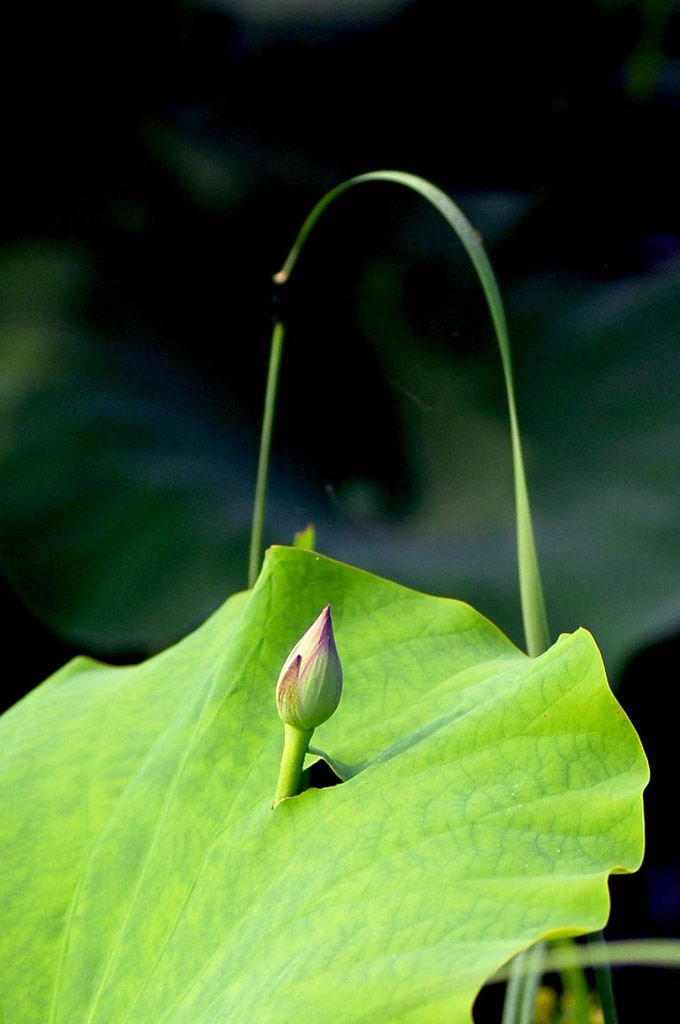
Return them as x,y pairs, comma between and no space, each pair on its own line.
295,744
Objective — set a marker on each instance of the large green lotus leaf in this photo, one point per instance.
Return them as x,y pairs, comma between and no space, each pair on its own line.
145,877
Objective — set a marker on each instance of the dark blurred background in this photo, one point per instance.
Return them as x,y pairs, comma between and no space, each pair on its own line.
159,159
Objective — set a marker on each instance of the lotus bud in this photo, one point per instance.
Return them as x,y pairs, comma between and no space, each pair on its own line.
309,686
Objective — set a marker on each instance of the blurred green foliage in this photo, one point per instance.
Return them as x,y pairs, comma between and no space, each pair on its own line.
145,213
130,499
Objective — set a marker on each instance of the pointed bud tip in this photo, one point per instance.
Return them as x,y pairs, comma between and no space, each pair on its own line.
310,682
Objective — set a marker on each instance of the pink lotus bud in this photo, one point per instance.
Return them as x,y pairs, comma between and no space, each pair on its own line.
309,686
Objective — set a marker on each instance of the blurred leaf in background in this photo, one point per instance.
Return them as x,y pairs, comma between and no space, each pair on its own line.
130,501
146,213
115,528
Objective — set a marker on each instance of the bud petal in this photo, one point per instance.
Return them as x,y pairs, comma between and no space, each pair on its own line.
309,686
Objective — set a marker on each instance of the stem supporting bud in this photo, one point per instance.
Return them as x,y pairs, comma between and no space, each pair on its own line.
295,744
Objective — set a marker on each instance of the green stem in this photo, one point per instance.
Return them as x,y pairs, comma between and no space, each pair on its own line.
295,744
574,982
603,980
622,953
514,990
263,460
531,591
525,976
532,980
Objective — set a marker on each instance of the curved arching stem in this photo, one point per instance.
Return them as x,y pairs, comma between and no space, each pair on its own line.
531,591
